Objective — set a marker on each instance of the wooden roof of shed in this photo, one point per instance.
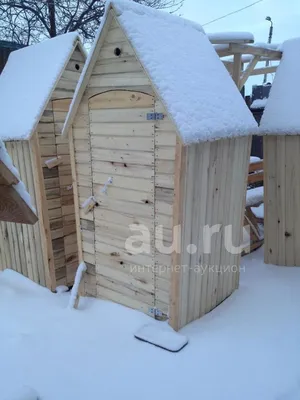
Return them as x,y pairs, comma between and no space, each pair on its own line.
188,82
28,81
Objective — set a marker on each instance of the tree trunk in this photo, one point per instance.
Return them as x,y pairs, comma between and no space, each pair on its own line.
52,20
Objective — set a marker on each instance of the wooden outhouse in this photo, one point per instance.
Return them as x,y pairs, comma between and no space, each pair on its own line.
160,138
36,88
280,125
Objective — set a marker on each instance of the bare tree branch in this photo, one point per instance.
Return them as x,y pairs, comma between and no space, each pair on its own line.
30,21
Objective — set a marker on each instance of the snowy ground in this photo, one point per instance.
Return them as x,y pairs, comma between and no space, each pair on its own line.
246,349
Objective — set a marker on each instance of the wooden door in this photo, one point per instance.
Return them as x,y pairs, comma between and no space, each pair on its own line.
122,148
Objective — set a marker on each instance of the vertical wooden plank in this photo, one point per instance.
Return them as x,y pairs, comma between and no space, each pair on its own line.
270,196
25,228
195,234
186,227
289,200
220,188
16,228
175,295
280,198
204,258
76,196
245,143
9,232
37,243
226,255
42,212
296,157
237,66
30,187
22,228
6,257
197,231
210,210
238,182
19,227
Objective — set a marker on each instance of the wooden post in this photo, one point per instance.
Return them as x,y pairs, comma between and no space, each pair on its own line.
236,72
176,272
248,71
41,203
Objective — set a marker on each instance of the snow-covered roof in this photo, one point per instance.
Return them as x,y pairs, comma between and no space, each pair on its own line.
185,70
268,46
232,37
258,103
282,113
27,82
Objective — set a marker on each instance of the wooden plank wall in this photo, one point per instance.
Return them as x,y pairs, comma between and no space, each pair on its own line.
282,200
127,154
214,193
58,180
123,148
165,147
21,248
112,137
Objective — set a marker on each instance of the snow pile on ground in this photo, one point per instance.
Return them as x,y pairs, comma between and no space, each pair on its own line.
281,115
247,348
27,81
193,83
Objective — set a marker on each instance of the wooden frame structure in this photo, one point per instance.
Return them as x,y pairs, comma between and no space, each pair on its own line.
47,252
235,55
156,180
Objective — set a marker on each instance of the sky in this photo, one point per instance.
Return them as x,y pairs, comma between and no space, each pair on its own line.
284,13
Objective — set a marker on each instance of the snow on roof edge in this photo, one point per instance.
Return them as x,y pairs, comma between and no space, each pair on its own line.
110,5
281,115
230,36
124,5
76,41
248,128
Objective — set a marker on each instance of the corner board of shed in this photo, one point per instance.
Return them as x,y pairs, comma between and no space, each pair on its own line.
207,268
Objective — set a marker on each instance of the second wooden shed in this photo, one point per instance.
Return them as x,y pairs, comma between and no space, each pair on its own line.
280,125
36,88
161,147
